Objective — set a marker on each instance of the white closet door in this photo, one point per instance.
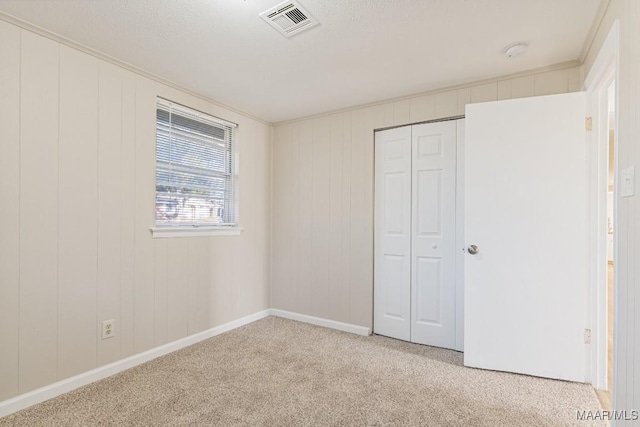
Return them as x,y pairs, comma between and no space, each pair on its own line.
392,223
433,275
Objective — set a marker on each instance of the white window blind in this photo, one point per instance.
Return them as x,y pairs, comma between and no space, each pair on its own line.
195,175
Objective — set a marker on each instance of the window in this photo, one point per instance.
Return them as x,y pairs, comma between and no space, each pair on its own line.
195,170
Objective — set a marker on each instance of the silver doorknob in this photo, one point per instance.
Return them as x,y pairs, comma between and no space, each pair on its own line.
473,249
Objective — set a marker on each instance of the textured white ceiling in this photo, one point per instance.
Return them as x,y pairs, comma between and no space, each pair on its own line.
363,51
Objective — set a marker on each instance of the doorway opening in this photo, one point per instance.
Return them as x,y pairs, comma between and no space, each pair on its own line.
602,130
605,395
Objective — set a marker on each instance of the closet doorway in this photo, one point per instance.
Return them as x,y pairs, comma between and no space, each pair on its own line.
417,224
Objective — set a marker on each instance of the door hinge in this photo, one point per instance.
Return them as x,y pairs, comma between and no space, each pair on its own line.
588,123
587,336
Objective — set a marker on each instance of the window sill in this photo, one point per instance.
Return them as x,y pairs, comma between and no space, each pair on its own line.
166,232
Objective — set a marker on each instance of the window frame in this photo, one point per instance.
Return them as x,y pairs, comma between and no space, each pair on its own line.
198,230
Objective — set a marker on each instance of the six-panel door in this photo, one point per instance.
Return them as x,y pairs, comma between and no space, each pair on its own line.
433,234
415,225
392,224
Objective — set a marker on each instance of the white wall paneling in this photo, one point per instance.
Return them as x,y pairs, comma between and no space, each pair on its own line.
10,212
143,284
124,328
297,251
110,210
361,229
282,220
77,171
39,189
177,276
305,221
77,212
160,301
337,295
320,214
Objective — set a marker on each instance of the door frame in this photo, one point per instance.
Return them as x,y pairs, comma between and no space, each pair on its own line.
604,71
459,233
460,240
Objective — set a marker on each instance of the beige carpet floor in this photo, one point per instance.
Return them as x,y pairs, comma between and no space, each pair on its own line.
278,372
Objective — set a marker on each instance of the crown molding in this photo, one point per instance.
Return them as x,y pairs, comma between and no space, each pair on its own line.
593,30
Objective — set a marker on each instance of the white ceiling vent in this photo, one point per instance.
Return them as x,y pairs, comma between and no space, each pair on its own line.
289,18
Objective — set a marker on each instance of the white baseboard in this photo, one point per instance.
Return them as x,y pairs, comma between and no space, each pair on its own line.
50,391
345,327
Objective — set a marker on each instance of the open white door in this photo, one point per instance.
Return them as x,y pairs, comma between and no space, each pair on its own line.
525,210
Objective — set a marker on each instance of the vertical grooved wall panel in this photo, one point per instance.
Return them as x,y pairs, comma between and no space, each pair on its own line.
125,325
305,224
360,140
110,188
192,288
337,298
320,216
177,280
422,108
345,214
144,293
281,197
486,93
10,210
203,290
78,210
292,260
447,104
402,111
38,212
161,261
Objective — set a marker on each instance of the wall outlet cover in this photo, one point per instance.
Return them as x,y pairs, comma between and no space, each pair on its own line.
108,329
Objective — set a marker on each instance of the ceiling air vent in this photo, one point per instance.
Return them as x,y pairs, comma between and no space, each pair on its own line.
289,18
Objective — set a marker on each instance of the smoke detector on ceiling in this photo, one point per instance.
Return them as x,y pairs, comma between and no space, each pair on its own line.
289,18
515,49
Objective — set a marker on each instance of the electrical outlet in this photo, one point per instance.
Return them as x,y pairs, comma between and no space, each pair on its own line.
108,329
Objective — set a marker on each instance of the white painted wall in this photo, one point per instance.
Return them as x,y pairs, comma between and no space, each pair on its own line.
323,194
77,159
627,333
